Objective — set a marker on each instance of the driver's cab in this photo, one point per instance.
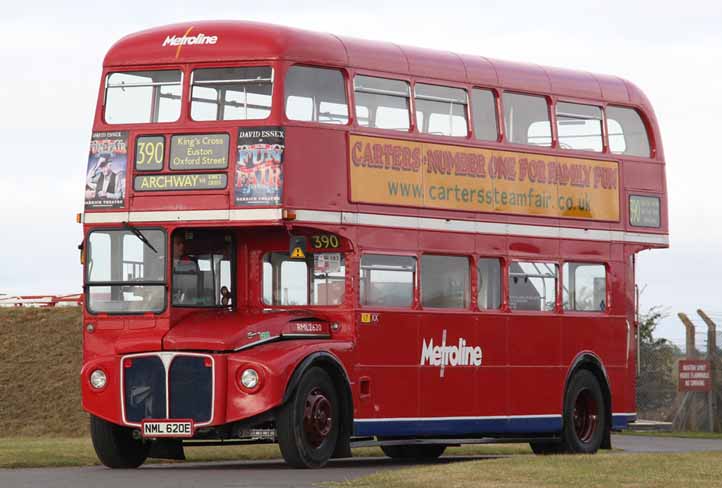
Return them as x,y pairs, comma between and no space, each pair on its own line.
202,268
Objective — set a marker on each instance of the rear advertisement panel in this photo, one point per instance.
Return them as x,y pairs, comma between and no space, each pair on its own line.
259,166
442,176
107,167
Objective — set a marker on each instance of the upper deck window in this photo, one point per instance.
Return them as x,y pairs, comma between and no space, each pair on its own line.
382,103
627,133
483,107
231,93
526,119
316,95
136,97
579,126
441,110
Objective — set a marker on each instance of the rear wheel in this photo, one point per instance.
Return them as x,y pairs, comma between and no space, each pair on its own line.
416,452
585,414
115,445
308,424
585,418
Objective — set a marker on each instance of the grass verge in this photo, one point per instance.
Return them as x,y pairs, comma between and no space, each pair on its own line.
22,452
600,470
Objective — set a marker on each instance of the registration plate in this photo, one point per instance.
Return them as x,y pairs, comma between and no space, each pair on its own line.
167,428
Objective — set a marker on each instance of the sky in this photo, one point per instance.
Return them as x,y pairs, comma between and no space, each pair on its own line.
51,55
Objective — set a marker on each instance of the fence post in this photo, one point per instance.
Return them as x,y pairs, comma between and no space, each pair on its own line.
689,326
712,358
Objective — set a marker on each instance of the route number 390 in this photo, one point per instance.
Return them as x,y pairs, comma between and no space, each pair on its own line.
325,241
149,152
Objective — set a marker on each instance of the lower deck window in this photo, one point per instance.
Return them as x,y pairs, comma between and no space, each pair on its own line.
488,283
585,287
532,286
387,281
319,279
445,281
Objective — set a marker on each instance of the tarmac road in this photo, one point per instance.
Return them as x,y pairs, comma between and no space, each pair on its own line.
261,474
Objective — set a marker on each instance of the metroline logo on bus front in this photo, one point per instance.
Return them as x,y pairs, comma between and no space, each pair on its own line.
187,40
452,355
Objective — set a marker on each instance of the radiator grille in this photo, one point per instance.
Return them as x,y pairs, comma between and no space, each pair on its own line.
144,389
191,389
186,389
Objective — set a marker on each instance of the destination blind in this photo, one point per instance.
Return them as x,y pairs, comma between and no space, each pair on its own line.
199,151
177,182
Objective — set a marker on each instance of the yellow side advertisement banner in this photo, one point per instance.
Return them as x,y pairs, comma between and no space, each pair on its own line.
442,176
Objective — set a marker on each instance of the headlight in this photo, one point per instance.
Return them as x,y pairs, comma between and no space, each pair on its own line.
98,379
249,378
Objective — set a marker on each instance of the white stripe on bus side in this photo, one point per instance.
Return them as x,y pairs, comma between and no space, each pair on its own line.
379,220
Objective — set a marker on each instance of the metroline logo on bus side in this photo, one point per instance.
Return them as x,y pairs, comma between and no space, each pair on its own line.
445,355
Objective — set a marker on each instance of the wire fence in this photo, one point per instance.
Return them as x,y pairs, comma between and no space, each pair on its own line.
72,300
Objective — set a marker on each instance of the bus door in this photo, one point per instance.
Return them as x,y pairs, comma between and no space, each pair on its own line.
388,340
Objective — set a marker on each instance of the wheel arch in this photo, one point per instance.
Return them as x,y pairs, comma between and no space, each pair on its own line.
589,361
331,365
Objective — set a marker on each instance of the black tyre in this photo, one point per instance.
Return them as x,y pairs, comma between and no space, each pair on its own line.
416,452
308,424
115,446
585,415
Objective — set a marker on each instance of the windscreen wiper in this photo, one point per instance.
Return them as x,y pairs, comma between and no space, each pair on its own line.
140,236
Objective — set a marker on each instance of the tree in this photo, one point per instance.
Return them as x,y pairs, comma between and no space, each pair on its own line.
656,385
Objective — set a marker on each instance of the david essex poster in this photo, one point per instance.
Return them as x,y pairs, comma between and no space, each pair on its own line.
107,166
259,166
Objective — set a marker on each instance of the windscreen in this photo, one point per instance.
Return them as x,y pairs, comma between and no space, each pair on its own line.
125,271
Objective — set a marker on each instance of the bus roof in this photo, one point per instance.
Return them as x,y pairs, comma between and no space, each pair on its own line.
229,41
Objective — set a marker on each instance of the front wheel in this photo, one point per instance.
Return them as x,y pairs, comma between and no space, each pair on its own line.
419,452
308,424
115,446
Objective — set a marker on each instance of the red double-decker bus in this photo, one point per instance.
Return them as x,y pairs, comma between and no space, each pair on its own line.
300,238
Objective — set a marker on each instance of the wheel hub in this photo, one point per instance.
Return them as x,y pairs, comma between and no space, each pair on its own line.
586,416
317,419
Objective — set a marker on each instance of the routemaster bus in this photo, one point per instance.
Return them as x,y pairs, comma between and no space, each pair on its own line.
299,238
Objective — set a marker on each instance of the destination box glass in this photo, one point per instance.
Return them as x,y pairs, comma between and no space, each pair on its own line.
199,151
178,182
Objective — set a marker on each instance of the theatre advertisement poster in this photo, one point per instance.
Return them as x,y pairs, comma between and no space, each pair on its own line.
259,166
106,171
